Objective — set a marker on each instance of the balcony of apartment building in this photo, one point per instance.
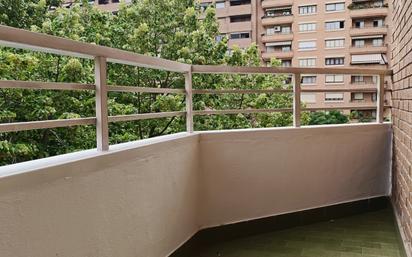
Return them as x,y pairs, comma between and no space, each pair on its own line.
276,3
278,33
278,50
368,27
239,23
368,8
369,45
292,191
277,16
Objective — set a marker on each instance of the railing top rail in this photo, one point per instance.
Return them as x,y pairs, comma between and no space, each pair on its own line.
285,70
24,39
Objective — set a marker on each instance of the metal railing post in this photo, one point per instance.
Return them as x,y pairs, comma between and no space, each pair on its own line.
296,99
102,126
189,101
380,99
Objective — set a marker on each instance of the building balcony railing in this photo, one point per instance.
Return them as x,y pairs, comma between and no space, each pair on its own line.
369,12
276,3
369,31
147,198
277,55
368,49
30,40
280,36
274,20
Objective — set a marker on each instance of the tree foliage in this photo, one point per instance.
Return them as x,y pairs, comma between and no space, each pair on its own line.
168,29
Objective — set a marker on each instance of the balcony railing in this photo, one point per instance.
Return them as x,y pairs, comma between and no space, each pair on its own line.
16,38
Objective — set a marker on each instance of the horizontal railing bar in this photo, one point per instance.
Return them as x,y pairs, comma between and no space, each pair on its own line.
44,124
145,90
355,90
12,84
236,111
240,91
326,108
18,38
145,116
220,69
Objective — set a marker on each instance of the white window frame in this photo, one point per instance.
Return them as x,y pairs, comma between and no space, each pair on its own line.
307,61
306,27
334,99
308,9
334,80
313,46
335,4
219,5
308,98
335,57
334,43
358,96
334,21
308,76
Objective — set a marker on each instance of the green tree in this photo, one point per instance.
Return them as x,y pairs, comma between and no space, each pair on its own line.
168,29
331,117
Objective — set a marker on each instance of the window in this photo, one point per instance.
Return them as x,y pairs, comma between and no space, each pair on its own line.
220,37
240,18
357,96
335,43
333,78
239,35
203,6
103,1
278,30
220,5
334,25
358,79
307,9
378,23
306,27
333,97
286,63
334,7
308,79
308,98
377,42
307,45
307,62
335,61
286,48
239,2
359,24
359,43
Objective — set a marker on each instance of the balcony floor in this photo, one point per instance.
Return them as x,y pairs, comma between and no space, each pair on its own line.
369,234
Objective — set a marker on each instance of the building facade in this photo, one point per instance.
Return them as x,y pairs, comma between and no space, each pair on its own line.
319,33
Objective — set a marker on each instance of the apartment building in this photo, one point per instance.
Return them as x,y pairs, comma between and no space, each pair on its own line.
318,33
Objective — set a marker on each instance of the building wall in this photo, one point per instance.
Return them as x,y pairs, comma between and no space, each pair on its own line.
258,25
402,113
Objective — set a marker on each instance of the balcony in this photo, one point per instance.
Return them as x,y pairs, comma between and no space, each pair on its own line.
277,37
368,49
275,3
277,55
154,197
276,20
369,12
368,31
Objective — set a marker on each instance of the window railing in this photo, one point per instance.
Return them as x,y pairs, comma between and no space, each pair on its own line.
16,38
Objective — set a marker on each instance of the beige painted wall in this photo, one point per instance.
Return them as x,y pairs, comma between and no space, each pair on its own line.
135,203
250,174
146,198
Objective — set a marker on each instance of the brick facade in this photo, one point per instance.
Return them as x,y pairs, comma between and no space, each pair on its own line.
401,58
